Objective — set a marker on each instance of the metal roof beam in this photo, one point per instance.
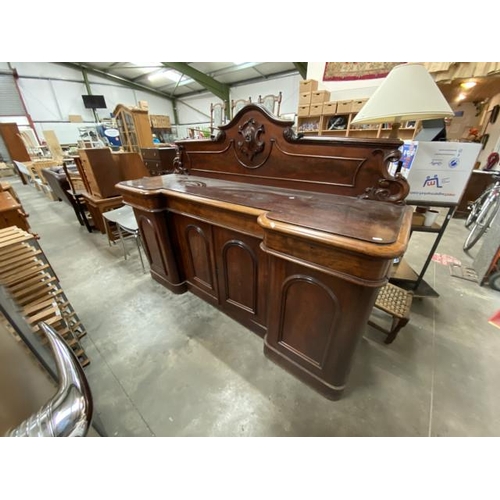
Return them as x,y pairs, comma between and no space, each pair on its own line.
301,68
217,88
243,82
117,79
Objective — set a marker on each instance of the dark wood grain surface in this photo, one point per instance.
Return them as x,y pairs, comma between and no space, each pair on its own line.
366,220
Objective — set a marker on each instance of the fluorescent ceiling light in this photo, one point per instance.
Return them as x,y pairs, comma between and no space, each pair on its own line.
147,64
167,74
173,75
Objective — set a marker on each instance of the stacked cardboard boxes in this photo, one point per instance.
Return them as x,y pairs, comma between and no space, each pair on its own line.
160,121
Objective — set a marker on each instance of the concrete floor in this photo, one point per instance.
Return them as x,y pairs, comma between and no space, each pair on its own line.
171,365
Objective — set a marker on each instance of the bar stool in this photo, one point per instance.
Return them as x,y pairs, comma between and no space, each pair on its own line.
126,222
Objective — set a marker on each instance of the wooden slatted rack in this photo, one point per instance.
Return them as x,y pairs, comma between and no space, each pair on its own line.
32,283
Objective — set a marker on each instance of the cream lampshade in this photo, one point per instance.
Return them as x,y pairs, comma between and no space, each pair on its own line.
407,93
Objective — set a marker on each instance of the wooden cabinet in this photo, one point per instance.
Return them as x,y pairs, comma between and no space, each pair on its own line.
100,170
293,238
135,130
103,170
159,161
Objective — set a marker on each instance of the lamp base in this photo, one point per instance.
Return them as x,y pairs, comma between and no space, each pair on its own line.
395,131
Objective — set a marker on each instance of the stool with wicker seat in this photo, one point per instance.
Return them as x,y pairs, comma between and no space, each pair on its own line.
396,302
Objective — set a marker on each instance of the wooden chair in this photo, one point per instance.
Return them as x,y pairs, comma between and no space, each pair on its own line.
217,115
396,302
75,196
24,172
238,104
271,102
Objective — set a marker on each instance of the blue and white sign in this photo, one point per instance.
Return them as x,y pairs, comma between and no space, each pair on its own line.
438,171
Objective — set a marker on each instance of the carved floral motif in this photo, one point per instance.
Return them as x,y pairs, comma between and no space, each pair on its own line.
251,144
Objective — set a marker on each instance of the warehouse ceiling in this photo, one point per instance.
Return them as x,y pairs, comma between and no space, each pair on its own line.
182,79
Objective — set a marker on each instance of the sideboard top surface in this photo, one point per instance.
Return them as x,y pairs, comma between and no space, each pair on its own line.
362,219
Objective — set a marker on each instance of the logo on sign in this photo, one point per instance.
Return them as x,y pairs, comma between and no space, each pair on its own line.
432,181
453,162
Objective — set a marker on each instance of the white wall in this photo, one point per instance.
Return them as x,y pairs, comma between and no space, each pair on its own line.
52,92
194,112
287,85
157,105
342,90
196,109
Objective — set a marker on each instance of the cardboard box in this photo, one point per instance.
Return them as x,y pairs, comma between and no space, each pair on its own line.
417,219
320,96
143,105
316,110
303,110
344,107
160,121
357,104
305,98
308,86
330,108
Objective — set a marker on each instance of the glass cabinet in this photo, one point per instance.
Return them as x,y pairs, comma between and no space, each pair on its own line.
135,130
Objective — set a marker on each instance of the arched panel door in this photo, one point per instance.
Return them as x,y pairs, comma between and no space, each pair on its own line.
242,276
195,244
158,247
308,314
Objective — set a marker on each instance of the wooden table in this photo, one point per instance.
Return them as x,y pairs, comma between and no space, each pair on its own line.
291,237
97,206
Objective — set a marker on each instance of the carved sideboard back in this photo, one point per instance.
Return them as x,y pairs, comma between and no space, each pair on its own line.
257,148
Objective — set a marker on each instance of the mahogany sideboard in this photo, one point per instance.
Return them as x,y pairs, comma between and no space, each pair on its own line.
292,237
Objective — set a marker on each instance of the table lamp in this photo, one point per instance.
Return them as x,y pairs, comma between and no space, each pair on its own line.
407,93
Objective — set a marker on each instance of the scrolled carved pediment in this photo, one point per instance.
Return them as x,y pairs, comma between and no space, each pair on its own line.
388,188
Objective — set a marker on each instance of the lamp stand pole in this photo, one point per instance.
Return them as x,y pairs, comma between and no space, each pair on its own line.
395,130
